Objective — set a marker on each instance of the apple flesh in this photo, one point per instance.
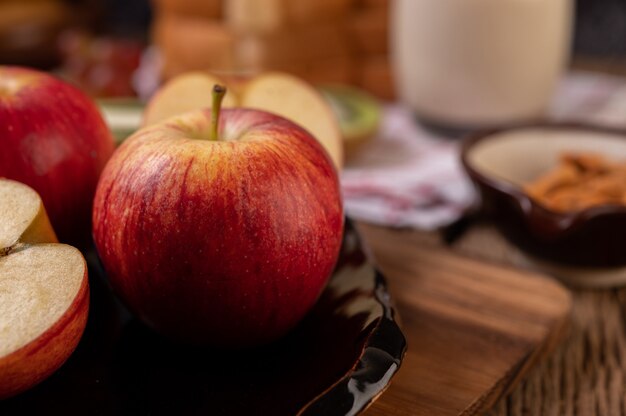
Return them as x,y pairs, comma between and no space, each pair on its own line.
294,99
226,242
187,92
53,139
275,92
44,292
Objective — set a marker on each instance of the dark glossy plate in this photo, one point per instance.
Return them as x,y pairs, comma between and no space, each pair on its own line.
336,362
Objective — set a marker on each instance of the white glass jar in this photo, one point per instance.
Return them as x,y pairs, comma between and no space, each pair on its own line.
475,63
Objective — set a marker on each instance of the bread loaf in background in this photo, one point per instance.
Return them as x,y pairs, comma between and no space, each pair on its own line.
375,75
301,45
338,70
368,31
29,31
203,9
256,16
322,41
189,43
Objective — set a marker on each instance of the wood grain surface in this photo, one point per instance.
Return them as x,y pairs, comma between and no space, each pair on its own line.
473,329
586,374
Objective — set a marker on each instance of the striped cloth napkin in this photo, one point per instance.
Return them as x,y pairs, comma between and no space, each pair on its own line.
408,176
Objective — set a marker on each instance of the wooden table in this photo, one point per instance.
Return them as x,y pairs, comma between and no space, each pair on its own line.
585,375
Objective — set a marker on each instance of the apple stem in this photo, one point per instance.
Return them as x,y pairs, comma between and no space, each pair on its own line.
218,95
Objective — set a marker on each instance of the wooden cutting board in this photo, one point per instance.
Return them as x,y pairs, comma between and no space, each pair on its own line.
473,328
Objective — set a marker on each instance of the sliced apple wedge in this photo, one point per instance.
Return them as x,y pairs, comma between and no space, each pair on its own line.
296,100
187,92
44,292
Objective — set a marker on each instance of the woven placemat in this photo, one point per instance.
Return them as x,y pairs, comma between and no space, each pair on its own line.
586,375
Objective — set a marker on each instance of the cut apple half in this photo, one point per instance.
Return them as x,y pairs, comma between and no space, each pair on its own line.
44,292
187,92
275,92
296,100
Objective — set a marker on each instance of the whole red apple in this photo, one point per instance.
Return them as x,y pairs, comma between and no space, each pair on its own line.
219,236
54,139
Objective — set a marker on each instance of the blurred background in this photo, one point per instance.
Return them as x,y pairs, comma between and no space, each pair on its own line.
100,44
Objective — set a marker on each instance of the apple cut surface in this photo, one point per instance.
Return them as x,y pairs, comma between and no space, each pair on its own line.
187,92
37,286
44,291
276,92
22,216
298,101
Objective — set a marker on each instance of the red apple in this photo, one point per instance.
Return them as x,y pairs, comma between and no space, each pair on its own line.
44,292
219,236
53,138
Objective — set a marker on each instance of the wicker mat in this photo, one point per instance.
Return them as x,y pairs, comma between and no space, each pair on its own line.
586,375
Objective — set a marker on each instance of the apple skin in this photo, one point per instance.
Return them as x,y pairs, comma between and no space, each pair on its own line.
227,243
53,139
37,360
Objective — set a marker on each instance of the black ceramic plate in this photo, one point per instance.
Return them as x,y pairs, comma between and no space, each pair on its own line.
336,362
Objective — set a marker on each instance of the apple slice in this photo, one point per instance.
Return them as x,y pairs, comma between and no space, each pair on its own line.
44,292
275,92
187,92
296,100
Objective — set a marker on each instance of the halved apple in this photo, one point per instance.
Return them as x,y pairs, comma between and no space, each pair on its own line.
296,100
276,92
187,92
44,292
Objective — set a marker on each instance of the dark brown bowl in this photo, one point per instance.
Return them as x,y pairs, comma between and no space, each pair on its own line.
500,161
